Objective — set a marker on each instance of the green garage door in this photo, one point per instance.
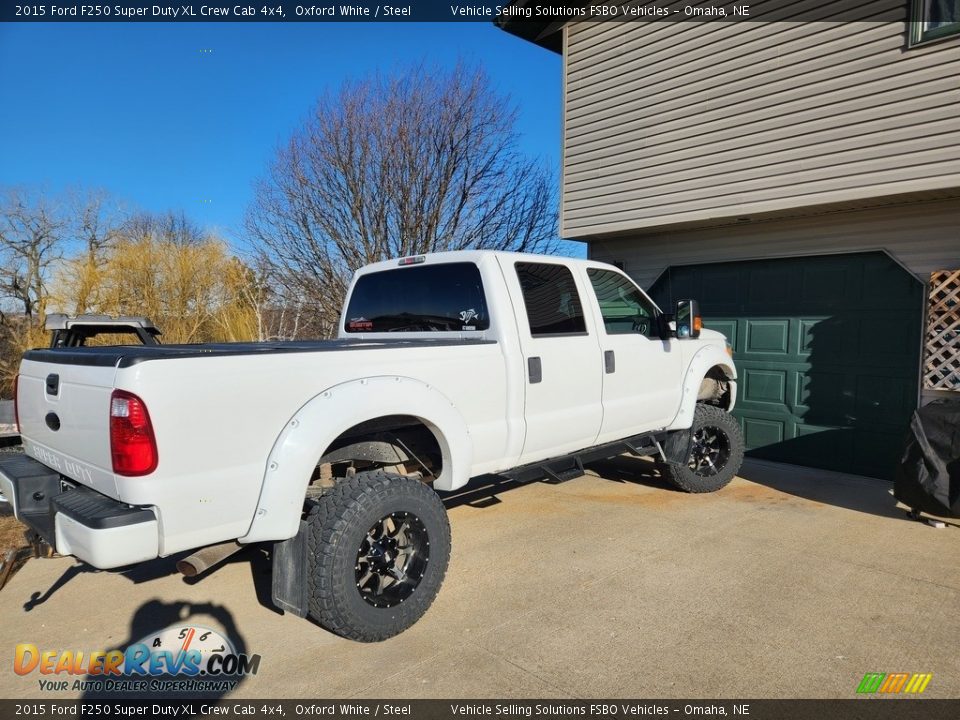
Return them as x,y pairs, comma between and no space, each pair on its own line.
827,349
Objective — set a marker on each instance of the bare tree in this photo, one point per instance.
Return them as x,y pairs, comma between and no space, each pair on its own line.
421,161
171,227
97,220
276,317
32,231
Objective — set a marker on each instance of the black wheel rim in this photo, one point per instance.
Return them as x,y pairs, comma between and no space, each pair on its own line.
392,559
711,451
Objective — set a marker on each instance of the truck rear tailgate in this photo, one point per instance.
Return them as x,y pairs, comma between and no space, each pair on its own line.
64,412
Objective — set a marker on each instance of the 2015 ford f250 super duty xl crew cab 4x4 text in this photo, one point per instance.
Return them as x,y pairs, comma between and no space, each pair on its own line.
446,367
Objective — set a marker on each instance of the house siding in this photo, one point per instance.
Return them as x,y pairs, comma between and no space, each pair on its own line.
668,123
923,237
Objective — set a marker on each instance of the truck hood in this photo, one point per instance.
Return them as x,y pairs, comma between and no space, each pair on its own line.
713,337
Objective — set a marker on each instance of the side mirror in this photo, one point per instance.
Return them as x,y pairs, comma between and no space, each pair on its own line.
689,322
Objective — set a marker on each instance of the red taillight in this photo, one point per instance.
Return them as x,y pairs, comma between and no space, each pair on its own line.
16,410
132,444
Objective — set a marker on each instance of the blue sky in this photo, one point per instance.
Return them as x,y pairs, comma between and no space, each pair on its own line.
140,111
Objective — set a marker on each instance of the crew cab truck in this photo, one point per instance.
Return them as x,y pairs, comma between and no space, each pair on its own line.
446,367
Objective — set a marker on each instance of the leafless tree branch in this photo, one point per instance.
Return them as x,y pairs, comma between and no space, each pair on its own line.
420,161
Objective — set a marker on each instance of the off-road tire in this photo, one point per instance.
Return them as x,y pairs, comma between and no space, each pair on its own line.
709,419
339,523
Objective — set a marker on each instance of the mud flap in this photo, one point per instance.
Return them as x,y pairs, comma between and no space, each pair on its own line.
677,447
290,570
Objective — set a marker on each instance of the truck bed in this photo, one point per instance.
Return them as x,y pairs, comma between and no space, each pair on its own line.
122,356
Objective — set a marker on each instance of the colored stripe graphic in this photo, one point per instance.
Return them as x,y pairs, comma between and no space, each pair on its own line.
871,682
894,682
918,683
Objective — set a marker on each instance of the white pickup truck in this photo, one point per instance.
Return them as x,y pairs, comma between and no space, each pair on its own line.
447,367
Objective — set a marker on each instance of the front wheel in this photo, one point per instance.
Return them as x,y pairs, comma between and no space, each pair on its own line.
716,452
379,549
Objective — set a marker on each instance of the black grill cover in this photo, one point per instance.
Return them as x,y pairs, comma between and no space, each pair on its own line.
928,478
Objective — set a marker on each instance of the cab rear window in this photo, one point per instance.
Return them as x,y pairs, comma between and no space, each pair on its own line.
437,297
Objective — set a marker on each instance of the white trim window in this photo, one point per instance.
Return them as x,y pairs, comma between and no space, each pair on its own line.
932,20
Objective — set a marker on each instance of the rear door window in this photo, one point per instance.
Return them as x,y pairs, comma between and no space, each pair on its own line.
551,299
437,297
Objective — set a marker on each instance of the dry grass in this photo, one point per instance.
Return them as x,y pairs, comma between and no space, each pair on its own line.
12,535
11,530
11,538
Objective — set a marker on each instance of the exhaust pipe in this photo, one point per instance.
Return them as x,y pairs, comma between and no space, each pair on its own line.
206,558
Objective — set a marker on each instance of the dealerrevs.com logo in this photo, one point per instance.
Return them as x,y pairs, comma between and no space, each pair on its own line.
893,683
178,658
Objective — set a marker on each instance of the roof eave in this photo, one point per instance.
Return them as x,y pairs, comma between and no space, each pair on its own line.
544,32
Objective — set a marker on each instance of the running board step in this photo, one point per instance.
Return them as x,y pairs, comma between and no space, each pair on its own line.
561,473
563,468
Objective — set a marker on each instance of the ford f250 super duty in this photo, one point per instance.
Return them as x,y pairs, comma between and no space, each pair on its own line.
446,367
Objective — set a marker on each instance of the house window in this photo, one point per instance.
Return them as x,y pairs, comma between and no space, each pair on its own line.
934,20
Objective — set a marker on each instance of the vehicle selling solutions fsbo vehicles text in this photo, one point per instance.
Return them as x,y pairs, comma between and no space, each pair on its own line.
595,11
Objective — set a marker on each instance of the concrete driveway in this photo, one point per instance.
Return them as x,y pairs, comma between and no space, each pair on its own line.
789,583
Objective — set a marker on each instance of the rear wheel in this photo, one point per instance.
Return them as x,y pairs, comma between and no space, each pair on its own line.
716,452
379,549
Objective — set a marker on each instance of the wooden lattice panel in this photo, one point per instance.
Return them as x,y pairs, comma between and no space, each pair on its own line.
941,364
